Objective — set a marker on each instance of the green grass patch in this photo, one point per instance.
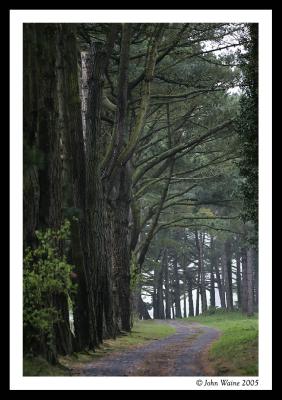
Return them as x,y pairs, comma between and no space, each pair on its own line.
37,366
143,332
235,353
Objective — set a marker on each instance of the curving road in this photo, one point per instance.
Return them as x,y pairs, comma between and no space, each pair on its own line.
180,354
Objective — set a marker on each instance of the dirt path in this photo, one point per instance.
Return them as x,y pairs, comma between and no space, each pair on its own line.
177,355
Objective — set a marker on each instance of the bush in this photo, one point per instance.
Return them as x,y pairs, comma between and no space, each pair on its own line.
46,274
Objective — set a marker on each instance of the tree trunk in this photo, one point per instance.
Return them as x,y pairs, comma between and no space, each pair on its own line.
212,288
250,270
184,300
190,294
160,294
121,255
159,312
244,281
198,294
238,280
219,285
176,288
143,313
226,268
74,157
199,244
156,313
100,290
212,291
80,300
50,177
30,140
167,289
256,287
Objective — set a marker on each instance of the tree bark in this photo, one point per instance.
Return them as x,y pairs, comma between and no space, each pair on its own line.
238,280
121,254
250,292
256,283
176,287
198,294
212,287
74,157
244,281
199,244
184,293
167,288
50,177
190,294
226,268
96,212
219,285
30,139
212,290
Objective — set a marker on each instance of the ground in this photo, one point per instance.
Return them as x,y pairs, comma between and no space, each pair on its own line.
223,344
179,354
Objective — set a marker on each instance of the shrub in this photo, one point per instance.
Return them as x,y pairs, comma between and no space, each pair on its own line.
46,274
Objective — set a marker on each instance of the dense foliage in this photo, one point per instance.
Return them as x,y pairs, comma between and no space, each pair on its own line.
46,275
248,128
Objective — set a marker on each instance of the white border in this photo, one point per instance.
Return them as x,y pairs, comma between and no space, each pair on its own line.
17,18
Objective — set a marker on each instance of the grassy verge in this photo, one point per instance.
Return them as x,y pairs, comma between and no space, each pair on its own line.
143,332
37,366
235,353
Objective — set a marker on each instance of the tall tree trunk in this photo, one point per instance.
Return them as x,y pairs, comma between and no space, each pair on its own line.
167,289
184,286
30,140
121,255
184,300
176,287
50,177
190,294
80,300
220,287
70,114
212,288
238,279
250,271
244,281
117,184
256,284
199,244
226,268
156,313
160,293
198,294
96,221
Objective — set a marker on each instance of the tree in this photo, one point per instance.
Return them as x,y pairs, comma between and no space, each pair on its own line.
248,127
129,133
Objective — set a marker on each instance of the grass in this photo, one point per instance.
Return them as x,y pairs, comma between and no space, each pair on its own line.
142,332
38,366
235,353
